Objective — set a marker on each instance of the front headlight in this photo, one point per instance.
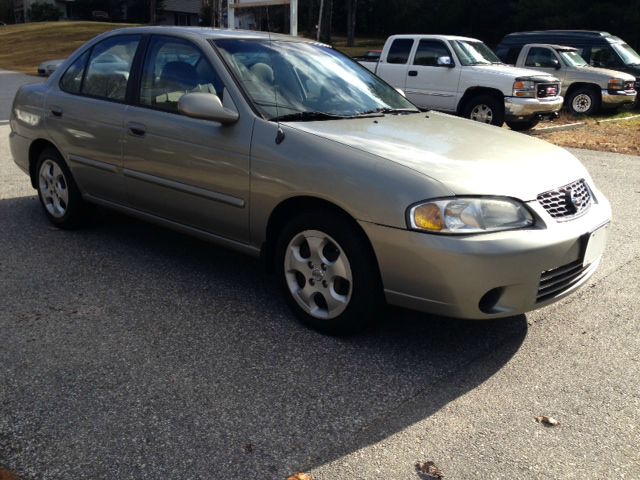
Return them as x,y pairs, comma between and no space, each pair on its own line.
524,88
462,215
615,84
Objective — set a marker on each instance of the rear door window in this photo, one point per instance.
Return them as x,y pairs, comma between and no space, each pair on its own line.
400,50
109,67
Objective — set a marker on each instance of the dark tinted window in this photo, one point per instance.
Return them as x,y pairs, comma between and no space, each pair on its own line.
399,50
428,52
508,54
71,81
604,57
541,58
172,68
109,66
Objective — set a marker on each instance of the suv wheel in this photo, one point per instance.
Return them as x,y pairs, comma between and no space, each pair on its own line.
485,109
584,101
328,276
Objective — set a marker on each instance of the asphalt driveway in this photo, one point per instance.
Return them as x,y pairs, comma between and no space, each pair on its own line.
129,351
9,84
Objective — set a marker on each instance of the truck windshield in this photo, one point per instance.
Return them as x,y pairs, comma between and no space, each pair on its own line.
572,58
628,55
303,81
474,53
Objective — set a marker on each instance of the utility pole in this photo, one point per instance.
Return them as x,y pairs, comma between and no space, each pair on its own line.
320,15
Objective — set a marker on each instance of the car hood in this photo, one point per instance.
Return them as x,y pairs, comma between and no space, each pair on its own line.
508,70
467,157
610,73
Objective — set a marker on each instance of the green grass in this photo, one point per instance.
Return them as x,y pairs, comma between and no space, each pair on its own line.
23,47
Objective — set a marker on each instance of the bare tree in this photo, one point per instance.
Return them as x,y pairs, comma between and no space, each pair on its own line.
352,6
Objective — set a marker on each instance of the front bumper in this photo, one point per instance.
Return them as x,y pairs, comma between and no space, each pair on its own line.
525,108
614,99
456,276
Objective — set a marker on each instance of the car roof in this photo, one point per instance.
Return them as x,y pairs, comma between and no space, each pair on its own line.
576,33
436,36
211,33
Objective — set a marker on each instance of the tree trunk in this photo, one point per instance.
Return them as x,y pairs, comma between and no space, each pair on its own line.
152,12
352,6
320,15
325,28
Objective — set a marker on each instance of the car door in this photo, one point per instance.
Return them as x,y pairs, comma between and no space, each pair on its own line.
432,83
191,171
394,68
85,114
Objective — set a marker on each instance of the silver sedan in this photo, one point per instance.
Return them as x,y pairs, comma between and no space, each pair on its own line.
286,149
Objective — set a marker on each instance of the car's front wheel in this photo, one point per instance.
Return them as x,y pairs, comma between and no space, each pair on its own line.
584,101
57,190
327,272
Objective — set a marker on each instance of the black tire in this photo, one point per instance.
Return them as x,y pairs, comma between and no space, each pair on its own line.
69,211
364,292
583,101
486,109
522,125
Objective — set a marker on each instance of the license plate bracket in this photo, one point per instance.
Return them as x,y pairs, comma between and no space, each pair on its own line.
596,243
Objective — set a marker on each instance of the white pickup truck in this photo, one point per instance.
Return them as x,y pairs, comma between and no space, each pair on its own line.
463,76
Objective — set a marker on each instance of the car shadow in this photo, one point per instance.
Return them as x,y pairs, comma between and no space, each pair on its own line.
135,351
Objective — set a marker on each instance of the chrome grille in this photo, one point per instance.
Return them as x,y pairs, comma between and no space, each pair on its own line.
557,280
568,201
547,90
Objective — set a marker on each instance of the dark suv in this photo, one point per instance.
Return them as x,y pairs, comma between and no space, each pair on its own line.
600,49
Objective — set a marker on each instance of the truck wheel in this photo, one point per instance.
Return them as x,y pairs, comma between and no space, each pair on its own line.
485,109
327,273
523,125
583,101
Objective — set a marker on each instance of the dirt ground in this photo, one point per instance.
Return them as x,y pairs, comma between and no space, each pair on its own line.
618,135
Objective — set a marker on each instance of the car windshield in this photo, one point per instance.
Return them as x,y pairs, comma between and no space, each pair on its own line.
474,53
303,81
629,55
572,58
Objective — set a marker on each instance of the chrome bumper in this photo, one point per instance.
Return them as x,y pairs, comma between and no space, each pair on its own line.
524,108
454,275
614,99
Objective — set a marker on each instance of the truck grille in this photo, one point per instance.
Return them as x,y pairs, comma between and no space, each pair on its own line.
547,90
557,280
566,202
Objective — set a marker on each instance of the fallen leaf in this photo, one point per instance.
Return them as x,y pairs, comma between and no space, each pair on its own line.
429,468
7,474
248,448
547,420
300,476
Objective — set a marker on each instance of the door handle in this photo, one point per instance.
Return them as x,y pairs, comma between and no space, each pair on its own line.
56,111
413,73
136,129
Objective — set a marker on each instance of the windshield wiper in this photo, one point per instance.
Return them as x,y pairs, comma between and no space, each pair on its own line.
386,110
307,117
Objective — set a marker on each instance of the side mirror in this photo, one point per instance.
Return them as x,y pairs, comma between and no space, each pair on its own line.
555,63
445,62
206,106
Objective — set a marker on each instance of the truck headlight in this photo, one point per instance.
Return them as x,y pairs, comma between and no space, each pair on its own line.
616,85
524,88
465,215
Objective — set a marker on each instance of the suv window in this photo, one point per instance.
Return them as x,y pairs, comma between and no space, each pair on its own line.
109,66
541,58
172,68
603,57
428,52
71,81
399,50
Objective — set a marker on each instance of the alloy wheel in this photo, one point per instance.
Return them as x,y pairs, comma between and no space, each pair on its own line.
482,113
53,188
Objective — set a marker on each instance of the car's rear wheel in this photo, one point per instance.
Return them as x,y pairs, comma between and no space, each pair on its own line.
521,126
57,190
327,273
583,101
485,109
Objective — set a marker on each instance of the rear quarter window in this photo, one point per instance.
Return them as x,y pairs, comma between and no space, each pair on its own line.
399,51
